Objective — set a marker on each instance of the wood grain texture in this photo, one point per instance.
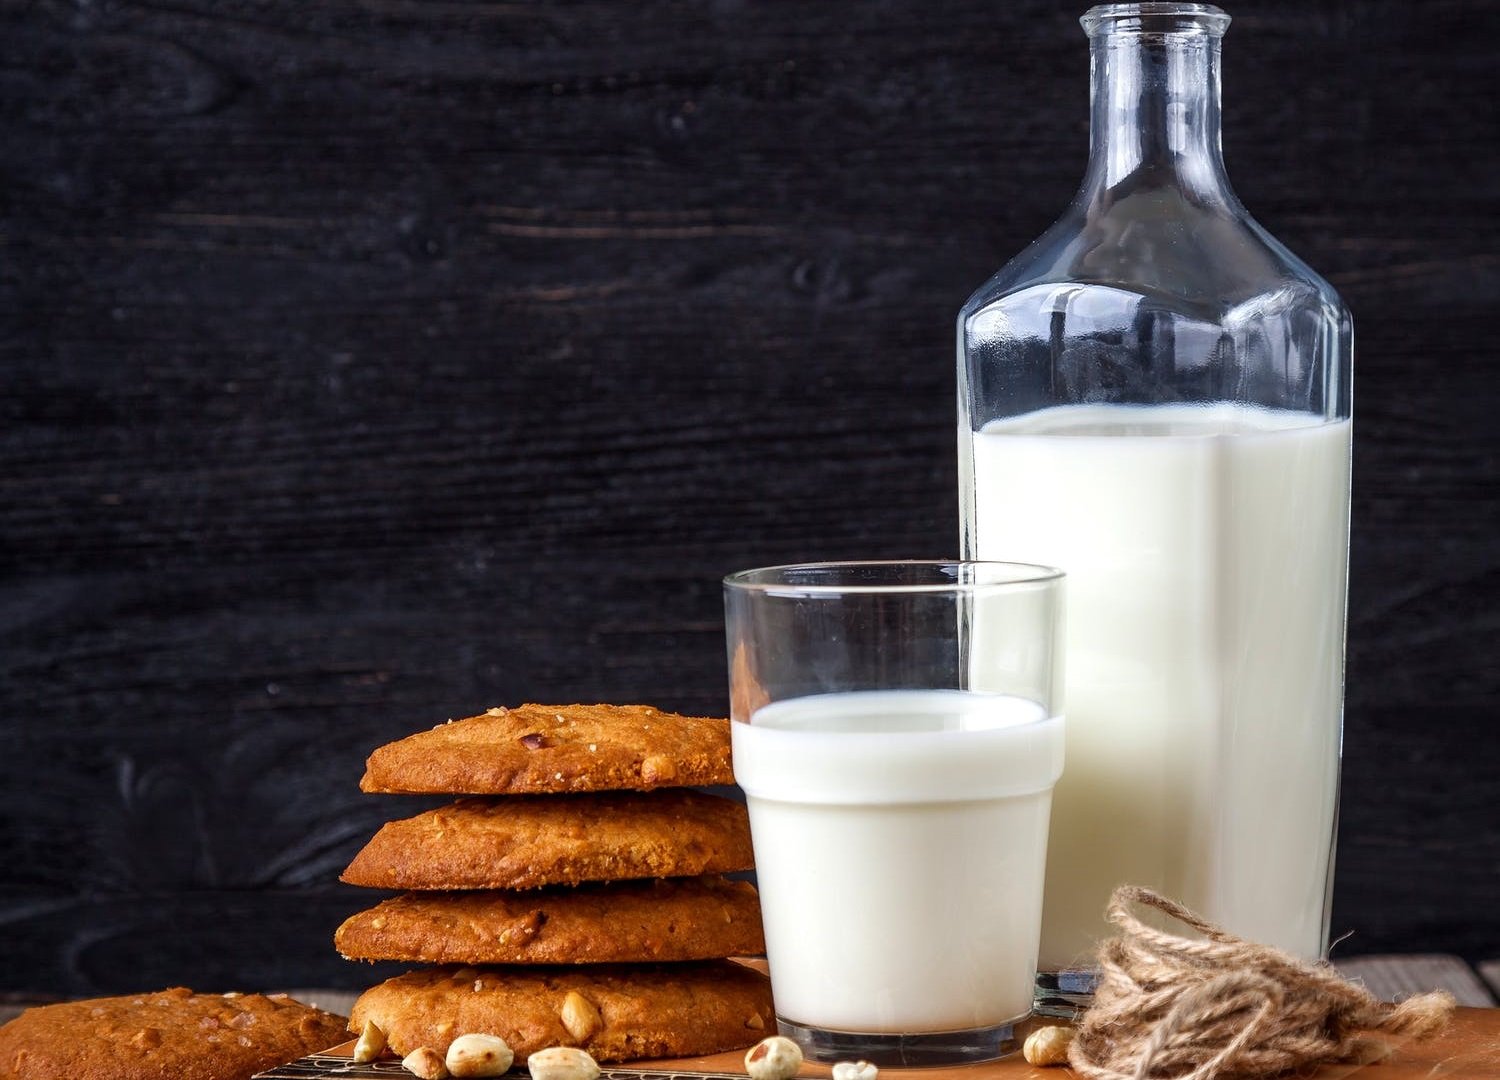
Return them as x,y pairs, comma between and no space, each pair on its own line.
370,362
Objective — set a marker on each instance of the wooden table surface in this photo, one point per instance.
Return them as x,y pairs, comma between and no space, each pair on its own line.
1469,1050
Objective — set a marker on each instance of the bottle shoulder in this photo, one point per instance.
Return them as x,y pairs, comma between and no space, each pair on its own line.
1210,261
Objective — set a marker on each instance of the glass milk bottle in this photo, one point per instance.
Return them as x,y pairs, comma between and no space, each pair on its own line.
1155,397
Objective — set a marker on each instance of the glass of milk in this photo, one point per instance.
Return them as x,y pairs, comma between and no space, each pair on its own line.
899,796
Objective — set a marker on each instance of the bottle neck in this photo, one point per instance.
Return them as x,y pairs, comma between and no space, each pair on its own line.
1155,113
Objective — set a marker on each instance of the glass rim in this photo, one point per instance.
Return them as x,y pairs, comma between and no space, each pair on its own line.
775,580
1149,16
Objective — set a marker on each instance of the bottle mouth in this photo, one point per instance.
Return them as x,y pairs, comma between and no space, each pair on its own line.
1155,19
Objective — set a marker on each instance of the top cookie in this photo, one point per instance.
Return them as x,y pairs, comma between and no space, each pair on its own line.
171,1035
539,749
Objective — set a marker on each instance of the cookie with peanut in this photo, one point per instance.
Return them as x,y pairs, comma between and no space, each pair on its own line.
172,1033
615,1013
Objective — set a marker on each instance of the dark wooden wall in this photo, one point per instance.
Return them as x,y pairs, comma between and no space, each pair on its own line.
367,362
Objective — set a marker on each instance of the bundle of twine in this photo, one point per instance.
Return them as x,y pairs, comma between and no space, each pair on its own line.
1221,1008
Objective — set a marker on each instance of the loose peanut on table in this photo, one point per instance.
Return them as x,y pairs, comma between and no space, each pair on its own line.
562,1063
1048,1046
776,1058
425,1062
479,1055
855,1070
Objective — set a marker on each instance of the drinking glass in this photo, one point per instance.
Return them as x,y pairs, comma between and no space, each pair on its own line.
899,795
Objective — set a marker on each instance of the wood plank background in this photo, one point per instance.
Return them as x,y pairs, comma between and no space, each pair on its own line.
368,362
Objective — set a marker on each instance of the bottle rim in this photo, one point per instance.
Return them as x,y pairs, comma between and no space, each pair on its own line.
1155,18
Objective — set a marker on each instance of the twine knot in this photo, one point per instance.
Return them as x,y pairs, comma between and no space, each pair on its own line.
1169,1007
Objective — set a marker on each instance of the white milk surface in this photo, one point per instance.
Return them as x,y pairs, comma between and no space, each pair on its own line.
899,841
1206,560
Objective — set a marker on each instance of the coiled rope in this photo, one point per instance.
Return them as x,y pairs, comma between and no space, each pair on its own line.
1222,1008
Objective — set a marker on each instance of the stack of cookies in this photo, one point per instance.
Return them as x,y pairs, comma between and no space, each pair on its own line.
575,898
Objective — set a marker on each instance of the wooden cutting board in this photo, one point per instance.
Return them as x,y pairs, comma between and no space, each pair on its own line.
1469,1050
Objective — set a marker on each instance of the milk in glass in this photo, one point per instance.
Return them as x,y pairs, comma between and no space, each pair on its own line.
899,844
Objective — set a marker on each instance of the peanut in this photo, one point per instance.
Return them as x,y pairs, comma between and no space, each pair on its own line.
1048,1046
479,1055
425,1062
855,1070
562,1063
371,1043
580,1016
776,1058
658,769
